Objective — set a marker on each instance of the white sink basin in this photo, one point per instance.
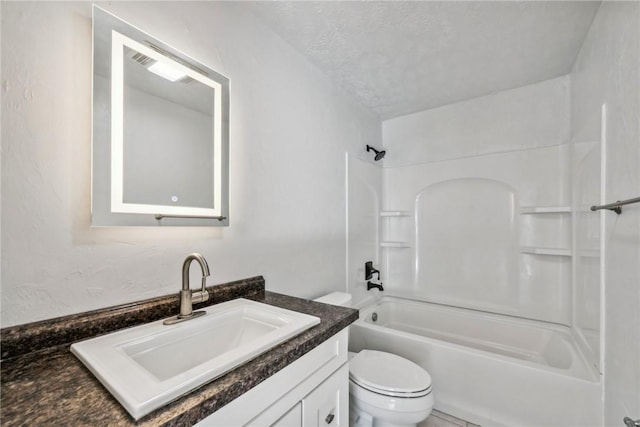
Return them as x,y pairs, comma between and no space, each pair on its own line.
149,365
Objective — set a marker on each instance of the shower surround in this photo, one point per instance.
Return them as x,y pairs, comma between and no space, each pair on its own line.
486,184
475,221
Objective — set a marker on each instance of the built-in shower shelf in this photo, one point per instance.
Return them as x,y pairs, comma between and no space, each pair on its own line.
544,209
392,215
534,250
390,244
395,213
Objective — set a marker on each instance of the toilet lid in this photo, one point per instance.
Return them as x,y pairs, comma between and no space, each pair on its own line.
389,374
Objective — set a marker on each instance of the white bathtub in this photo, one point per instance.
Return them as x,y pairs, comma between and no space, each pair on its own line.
489,369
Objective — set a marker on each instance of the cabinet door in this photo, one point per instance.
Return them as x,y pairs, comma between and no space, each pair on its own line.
328,404
293,418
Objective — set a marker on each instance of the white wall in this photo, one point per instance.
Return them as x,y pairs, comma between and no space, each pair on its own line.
290,128
607,71
515,138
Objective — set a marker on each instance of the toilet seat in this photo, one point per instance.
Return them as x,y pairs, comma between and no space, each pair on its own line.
389,374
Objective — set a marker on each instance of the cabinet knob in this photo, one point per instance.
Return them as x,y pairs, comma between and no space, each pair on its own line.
329,418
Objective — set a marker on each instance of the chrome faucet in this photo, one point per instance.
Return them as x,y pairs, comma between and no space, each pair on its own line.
187,296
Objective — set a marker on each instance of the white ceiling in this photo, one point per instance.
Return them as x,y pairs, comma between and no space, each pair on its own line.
399,57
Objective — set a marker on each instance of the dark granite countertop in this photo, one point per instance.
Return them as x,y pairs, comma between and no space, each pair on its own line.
43,383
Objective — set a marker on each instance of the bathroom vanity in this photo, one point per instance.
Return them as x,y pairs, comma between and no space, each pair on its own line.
312,391
301,382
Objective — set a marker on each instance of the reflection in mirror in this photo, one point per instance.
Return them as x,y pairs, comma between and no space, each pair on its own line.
160,148
160,114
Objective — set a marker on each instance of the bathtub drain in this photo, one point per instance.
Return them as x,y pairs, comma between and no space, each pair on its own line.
374,317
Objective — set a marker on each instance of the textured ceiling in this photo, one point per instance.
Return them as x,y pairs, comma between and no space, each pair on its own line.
399,57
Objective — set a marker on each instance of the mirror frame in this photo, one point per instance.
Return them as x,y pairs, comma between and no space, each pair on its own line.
107,205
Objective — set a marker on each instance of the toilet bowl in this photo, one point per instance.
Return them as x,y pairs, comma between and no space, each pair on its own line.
385,390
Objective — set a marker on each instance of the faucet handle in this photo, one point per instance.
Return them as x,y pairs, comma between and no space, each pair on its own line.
202,295
199,296
369,271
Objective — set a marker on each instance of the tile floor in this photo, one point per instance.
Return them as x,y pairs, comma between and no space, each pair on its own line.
440,419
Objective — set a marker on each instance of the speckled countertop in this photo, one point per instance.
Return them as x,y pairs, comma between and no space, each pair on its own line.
44,384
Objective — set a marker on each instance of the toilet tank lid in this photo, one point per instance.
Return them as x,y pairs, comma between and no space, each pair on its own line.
336,298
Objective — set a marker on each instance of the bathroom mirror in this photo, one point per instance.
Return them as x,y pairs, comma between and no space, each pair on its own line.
160,132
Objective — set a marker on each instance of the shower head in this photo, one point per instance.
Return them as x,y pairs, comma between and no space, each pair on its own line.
379,154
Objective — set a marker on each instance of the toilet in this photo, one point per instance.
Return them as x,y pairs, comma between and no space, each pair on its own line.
385,390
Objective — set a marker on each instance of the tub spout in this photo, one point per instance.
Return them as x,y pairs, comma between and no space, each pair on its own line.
371,285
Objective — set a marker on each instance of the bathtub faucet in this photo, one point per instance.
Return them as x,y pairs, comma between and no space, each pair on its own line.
371,285
369,271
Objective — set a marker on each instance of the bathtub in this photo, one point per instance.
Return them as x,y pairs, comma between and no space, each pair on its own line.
489,369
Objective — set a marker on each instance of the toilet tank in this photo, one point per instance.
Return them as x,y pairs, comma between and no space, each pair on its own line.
336,298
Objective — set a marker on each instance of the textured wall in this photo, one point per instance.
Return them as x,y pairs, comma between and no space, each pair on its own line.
290,128
607,71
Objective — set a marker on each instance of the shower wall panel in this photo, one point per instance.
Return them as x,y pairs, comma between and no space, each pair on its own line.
466,243
586,192
532,116
471,238
607,71
364,185
512,258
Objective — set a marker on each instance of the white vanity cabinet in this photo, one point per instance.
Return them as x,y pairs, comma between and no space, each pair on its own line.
293,418
312,391
328,404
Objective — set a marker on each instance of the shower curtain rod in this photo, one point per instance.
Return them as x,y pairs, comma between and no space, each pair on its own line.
617,206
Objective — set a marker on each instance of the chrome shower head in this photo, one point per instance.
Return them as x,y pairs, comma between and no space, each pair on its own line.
379,154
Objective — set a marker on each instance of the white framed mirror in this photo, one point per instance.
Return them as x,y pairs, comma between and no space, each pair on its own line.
160,132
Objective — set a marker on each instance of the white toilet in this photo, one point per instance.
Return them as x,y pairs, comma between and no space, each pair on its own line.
385,390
